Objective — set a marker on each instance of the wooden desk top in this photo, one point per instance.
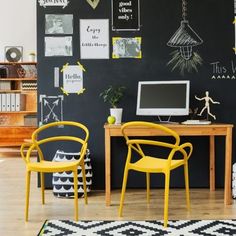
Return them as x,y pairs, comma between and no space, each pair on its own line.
172,125
191,130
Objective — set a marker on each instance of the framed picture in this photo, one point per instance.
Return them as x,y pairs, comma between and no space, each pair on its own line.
13,54
51,108
58,46
125,15
126,47
94,39
58,24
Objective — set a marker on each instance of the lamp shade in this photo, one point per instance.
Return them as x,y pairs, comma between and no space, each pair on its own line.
184,36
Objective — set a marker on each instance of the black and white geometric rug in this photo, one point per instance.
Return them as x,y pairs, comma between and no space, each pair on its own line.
139,228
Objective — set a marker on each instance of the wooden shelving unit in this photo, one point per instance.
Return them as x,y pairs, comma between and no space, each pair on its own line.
12,123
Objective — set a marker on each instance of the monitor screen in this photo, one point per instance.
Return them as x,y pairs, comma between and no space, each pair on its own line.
167,98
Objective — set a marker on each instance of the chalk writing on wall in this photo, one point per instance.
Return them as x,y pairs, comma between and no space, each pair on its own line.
221,70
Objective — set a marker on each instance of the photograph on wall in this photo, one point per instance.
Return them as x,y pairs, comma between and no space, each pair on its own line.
234,7
126,47
94,39
125,15
59,24
73,79
51,108
58,46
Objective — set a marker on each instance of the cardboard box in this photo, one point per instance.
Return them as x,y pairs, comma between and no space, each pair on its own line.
30,120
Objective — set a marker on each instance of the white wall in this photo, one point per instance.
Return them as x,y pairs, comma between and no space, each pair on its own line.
18,25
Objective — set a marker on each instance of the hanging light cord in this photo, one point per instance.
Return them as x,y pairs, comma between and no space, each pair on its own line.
184,9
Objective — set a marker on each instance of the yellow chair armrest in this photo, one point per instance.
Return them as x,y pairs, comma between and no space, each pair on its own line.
25,151
182,148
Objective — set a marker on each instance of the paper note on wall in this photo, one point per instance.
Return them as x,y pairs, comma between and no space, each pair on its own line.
72,79
94,39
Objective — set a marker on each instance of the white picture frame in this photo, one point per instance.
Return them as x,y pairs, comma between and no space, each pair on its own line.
73,79
94,39
58,46
58,24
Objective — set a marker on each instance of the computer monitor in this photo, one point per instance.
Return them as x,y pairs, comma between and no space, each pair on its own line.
163,98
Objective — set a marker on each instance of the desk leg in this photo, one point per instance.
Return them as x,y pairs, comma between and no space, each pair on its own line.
212,163
107,167
228,167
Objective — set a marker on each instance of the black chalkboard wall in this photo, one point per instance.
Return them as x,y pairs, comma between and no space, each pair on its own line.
211,19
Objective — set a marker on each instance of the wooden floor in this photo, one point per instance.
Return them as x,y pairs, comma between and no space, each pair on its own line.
204,204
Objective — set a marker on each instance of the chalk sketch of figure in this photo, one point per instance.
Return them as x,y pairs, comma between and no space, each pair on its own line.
207,100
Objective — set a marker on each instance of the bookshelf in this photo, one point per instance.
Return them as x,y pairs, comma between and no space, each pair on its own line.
18,102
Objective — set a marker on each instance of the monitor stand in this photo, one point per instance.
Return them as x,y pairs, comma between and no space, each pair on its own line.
167,121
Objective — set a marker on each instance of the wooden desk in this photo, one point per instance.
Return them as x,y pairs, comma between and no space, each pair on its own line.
211,130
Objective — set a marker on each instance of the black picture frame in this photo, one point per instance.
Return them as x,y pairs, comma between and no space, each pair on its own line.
124,17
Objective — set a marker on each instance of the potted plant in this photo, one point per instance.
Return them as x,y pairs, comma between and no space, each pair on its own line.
112,95
32,56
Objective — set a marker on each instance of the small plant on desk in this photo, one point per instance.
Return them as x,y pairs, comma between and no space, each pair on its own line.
113,95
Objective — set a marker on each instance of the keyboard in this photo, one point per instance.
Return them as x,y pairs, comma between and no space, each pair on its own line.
196,122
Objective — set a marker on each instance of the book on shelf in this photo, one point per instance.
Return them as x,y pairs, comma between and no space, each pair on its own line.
12,102
20,102
4,108
8,102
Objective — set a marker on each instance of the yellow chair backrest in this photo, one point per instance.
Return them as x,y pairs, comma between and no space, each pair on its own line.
134,143
36,143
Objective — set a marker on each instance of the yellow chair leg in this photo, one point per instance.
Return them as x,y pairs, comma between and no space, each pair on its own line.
166,203
84,184
123,191
27,195
148,187
42,187
76,193
187,185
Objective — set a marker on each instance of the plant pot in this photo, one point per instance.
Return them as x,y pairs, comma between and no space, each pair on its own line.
32,58
117,113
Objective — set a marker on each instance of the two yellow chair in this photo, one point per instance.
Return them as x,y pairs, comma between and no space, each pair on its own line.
147,164
44,166
158,164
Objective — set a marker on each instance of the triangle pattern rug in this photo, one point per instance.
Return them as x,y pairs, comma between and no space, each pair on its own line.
139,228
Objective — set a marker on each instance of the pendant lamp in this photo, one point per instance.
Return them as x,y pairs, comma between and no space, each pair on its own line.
184,39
